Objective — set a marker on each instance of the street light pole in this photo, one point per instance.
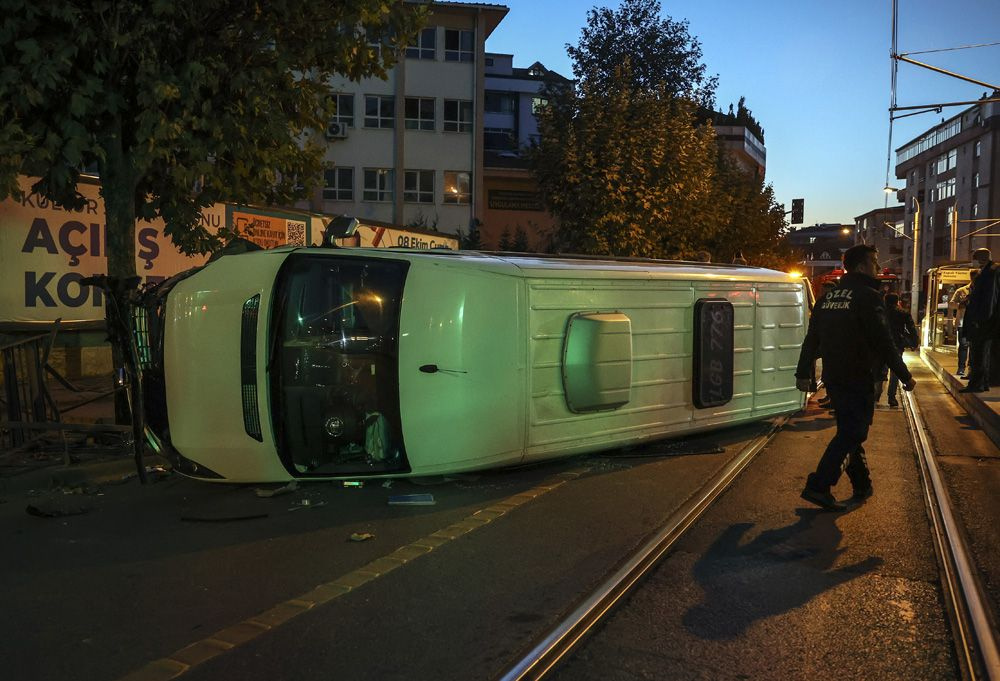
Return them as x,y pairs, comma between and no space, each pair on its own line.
915,281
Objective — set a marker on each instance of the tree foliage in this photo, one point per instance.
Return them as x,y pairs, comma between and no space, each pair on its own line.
742,116
179,104
660,54
749,222
626,160
626,172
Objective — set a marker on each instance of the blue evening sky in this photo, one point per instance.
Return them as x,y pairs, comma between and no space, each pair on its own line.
815,74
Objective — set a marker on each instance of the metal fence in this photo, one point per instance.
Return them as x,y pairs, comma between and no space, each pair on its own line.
26,400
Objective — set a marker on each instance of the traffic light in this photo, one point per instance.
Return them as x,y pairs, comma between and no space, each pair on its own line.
798,207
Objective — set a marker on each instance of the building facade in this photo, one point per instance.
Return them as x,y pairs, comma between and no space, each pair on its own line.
408,150
512,201
819,248
883,229
949,198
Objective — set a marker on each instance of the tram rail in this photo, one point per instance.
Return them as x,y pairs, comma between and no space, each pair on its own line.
565,635
976,642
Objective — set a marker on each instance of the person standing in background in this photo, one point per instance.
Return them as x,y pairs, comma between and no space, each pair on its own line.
959,301
980,321
904,336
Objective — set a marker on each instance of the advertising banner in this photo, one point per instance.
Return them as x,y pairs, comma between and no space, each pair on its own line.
45,251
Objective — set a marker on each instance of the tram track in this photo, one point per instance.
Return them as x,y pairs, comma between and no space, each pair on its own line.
976,640
561,639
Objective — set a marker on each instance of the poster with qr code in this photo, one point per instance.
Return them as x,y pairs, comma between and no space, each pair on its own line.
268,230
296,233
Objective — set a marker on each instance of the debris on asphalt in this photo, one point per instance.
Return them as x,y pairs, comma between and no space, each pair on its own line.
361,536
306,503
387,484
412,500
354,483
52,512
157,473
221,518
284,489
78,489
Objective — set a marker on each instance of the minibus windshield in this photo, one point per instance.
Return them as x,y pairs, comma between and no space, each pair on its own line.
334,365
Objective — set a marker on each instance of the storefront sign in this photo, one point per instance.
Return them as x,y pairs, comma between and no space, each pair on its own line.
509,199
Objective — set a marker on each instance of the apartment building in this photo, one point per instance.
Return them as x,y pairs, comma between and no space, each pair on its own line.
949,191
883,229
408,150
819,248
511,100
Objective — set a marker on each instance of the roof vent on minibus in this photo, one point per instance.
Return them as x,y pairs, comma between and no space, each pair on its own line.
597,361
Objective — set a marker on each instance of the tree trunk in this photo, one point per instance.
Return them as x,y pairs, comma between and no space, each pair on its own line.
118,192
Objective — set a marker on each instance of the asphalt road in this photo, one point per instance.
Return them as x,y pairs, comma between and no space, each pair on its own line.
150,570
764,586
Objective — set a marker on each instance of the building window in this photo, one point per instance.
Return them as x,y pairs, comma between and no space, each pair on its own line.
812,239
489,61
419,113
379,111
978,149
378,184
456,187
459,45
539,103
426,46
946,162
418,186
500,102
499,139
457,115
343,106
975,180
945,190
338,184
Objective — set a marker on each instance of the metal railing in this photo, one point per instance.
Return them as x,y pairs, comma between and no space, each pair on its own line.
26,401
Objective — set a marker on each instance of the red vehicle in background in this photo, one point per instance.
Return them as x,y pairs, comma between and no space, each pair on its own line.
888,282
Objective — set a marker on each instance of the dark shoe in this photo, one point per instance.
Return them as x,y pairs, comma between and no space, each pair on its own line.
972,389
862,493
824,500
893,402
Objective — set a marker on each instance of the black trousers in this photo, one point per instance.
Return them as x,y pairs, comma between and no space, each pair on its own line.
854,408
980,345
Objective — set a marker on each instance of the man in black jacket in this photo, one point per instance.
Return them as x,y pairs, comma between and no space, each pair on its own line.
980,322
848,330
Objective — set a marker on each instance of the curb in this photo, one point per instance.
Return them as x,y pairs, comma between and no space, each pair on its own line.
92,474
981,413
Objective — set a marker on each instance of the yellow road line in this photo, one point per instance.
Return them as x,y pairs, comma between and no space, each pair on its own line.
186,658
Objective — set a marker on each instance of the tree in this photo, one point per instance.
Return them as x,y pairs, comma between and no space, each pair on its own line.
742,116
669,57
180,104
750,221
520,241
473,240
625,171
504,244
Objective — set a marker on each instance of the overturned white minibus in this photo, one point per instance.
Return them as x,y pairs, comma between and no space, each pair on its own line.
313,363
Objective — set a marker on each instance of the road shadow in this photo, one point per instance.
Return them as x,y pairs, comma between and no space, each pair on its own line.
777,571
812,420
